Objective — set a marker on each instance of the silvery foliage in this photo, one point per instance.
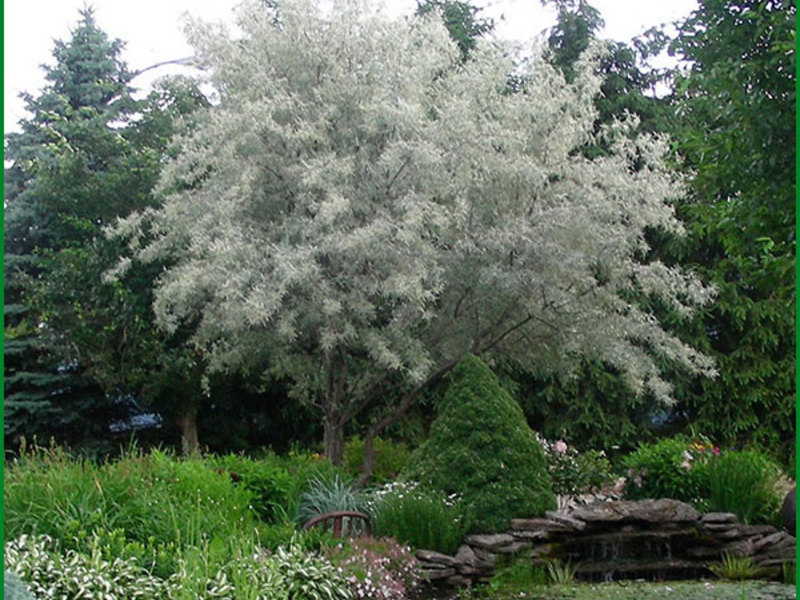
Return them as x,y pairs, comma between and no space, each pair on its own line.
358,192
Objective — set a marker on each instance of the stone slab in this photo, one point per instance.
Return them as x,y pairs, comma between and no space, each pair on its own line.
537,525
647,511
492,541
568,521
435,557
719,518
436,574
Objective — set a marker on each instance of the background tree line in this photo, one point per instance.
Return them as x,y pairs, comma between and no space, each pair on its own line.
82,351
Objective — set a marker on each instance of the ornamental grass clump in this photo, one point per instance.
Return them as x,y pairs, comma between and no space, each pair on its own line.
744,483
418,517
329,494
481,448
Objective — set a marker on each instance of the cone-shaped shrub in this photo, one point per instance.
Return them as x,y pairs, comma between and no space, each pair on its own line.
481,448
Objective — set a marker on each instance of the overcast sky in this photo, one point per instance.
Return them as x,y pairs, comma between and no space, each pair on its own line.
152,30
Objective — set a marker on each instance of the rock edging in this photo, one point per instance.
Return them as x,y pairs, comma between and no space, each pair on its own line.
616,540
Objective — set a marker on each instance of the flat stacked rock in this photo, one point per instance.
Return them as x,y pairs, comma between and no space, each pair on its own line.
617,540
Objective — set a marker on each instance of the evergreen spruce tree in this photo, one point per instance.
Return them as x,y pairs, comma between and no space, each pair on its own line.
75,344
48,207
481,448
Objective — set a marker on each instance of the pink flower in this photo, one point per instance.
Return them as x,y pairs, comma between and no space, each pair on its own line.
560,446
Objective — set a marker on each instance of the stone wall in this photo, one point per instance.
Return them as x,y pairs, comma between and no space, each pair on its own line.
664,539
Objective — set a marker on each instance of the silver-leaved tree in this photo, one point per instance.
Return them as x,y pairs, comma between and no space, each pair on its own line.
362,208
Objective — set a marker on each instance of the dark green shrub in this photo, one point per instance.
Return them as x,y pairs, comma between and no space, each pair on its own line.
674,468
481,448
744,483
388,461
269,482
420,518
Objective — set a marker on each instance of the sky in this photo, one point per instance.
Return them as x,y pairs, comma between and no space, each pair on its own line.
152,30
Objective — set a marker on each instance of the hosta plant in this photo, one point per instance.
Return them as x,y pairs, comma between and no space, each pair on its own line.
50,574
309,575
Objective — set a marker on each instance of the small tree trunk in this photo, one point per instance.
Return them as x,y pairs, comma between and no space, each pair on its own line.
187,421
333,437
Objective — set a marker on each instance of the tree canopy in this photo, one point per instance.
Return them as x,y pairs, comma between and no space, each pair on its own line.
363,207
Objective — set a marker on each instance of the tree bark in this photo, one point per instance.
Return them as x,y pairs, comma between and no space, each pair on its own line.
333,437
333,425
187,421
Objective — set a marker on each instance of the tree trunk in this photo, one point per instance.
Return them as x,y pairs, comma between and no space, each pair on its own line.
187,421
334,439
333,426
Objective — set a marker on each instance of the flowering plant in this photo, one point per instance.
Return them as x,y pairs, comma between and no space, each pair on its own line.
671,468
575,472
377,568
422,518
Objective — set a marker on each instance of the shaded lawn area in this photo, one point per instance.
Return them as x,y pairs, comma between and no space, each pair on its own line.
678,590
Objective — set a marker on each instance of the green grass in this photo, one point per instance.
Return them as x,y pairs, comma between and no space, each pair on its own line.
420,518
736,567
744,483
156,508
679,590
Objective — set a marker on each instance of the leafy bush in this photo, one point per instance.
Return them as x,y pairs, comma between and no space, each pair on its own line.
481,448
421,518
388,461
744,483
269,483
378,569
674,468
575,472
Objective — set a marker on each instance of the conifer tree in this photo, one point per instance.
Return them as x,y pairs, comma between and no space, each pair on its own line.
47,207
88,154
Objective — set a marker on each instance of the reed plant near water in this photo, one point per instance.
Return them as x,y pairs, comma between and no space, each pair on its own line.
735,567
744,483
